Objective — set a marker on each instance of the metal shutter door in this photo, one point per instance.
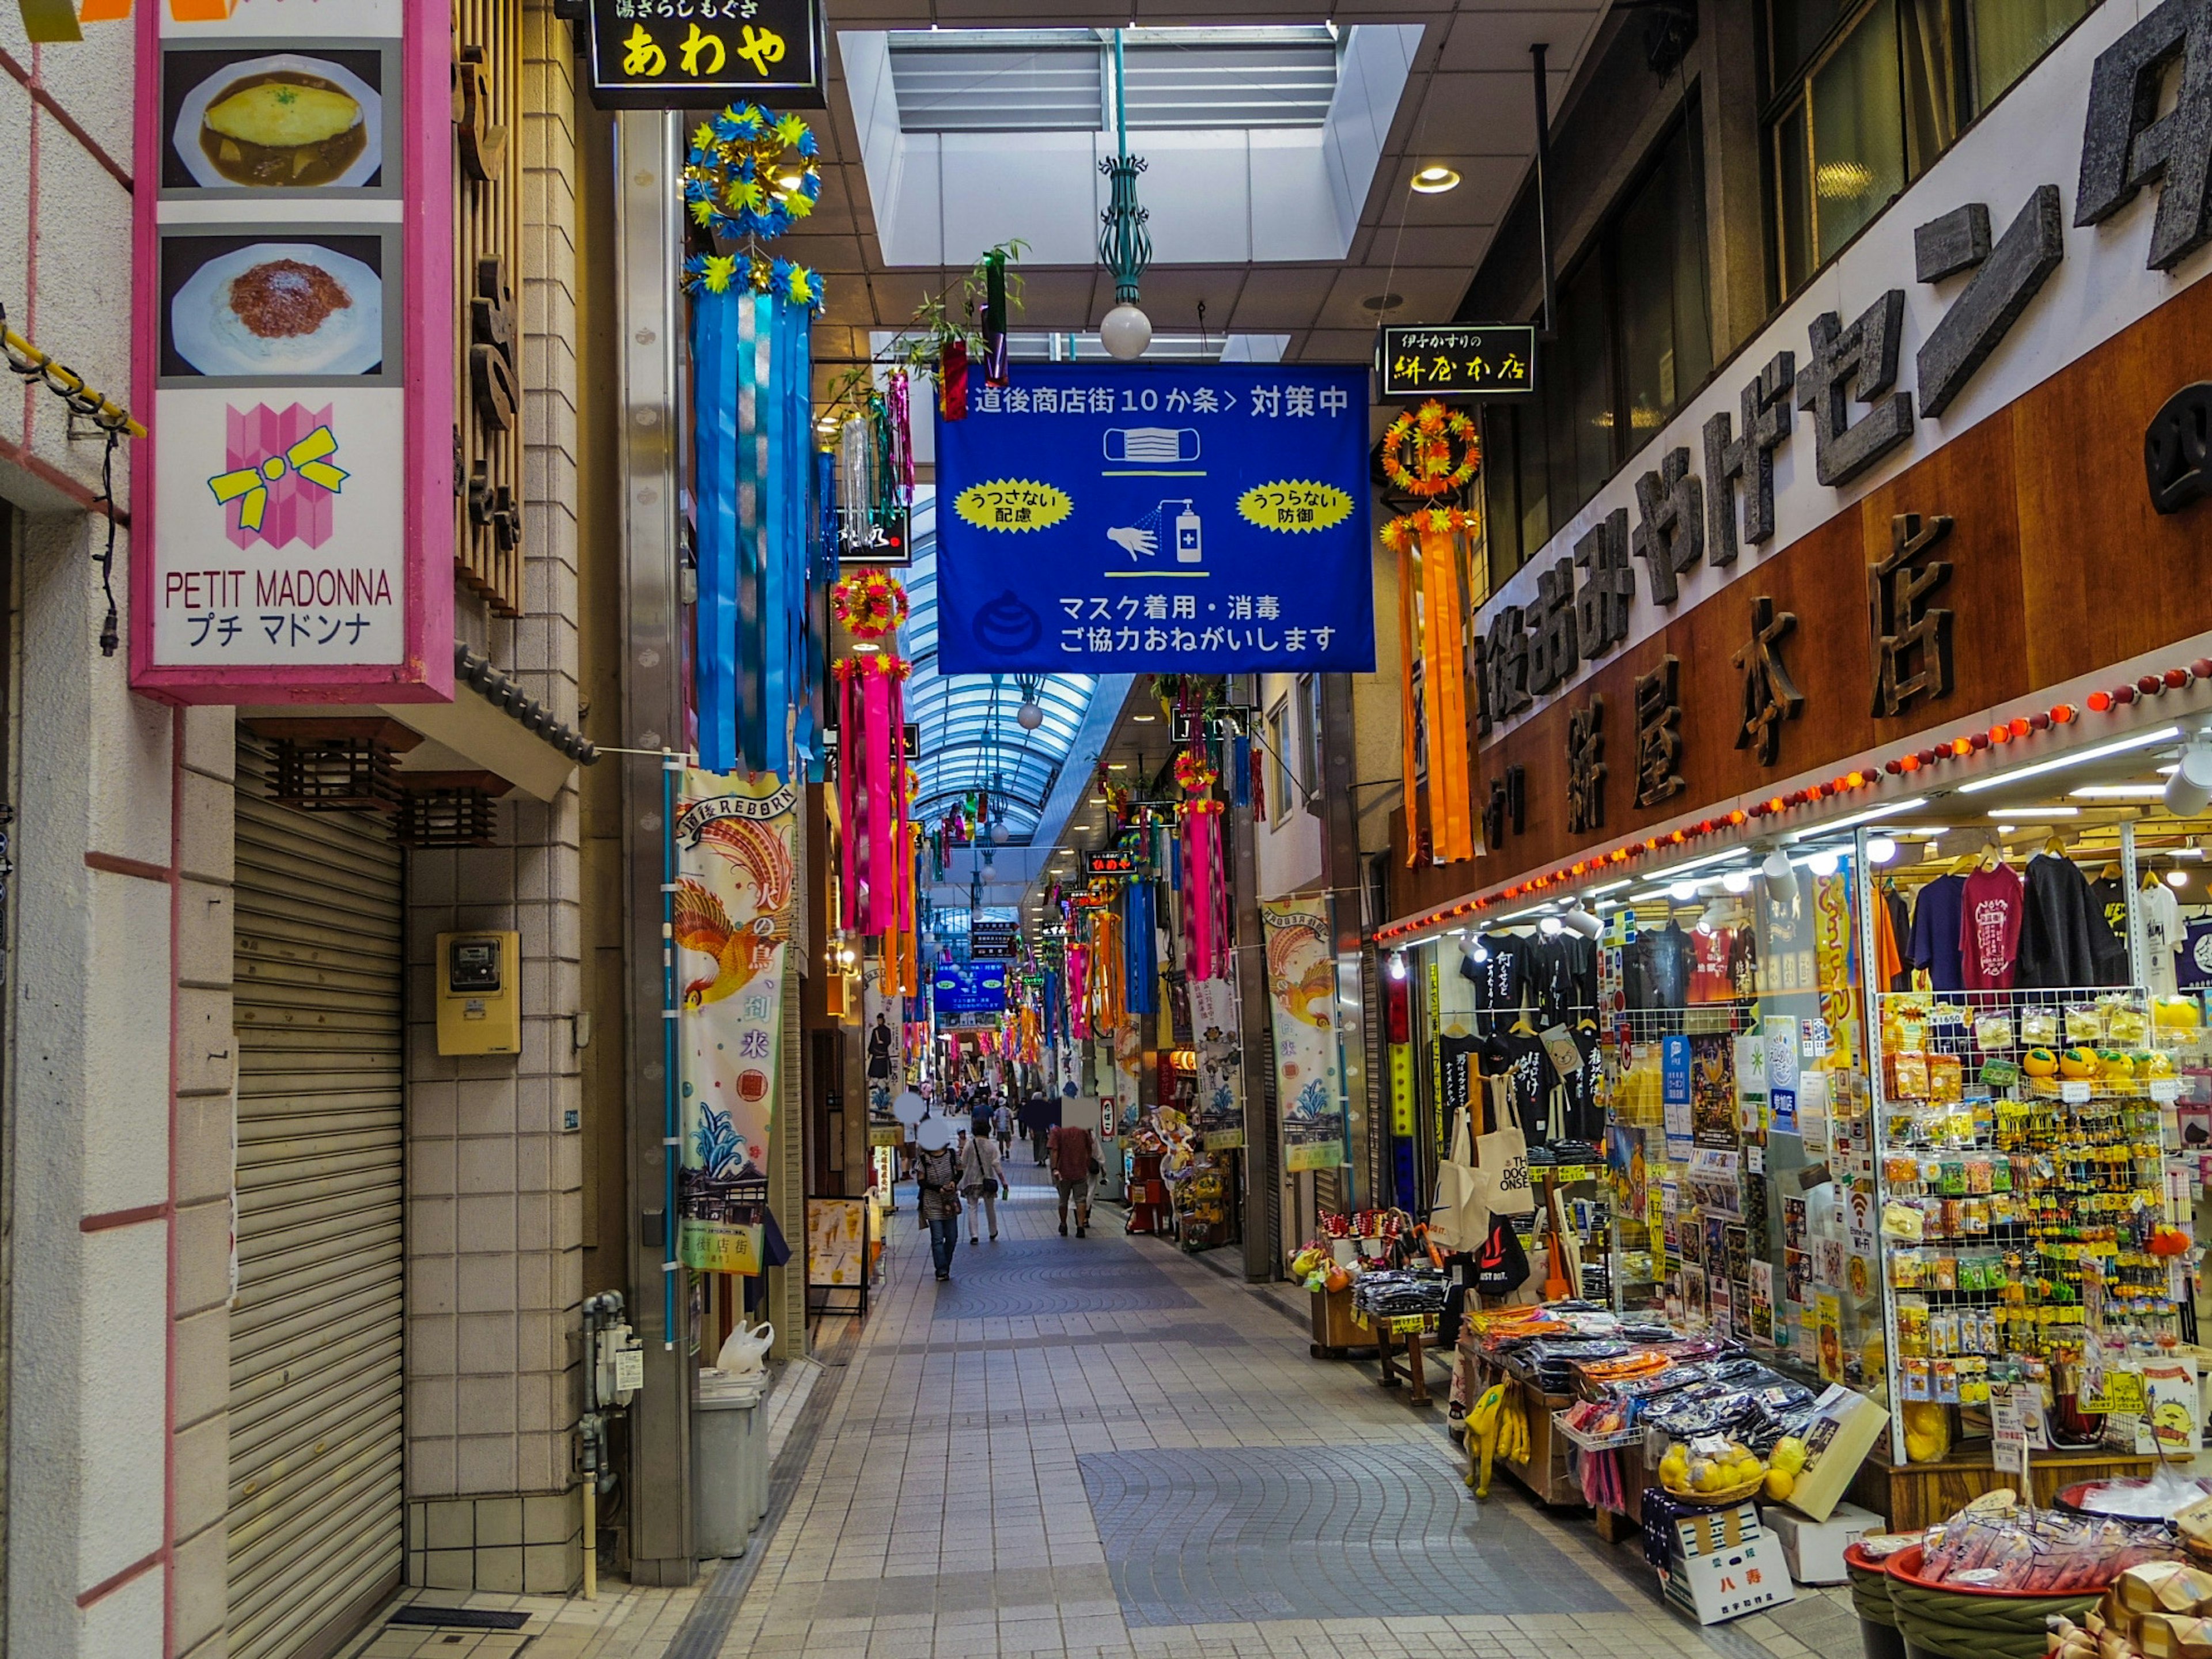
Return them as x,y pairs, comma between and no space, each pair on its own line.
316,1516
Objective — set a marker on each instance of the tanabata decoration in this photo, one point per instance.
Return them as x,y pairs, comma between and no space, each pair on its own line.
1205,920
1442,446
1079,992
869,604
1141,971
749,174
876,888
1430,636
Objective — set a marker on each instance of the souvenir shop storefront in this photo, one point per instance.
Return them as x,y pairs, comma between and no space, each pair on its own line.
1840,931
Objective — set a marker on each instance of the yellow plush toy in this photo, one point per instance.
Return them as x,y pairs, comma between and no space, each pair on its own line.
2039,1062
2078,1063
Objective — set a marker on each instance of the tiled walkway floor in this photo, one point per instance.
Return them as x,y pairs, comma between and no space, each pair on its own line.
1100,1448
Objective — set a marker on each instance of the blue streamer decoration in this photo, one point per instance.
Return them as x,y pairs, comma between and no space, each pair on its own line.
715,420
1140,969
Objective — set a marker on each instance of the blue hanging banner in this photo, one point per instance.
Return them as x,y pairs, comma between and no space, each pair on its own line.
959,988
1116,518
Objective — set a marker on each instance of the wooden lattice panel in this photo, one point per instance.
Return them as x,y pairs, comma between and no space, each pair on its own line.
487,291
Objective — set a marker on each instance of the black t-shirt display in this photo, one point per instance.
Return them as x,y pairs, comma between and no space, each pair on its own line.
1499,978
1521,1059
1458,1056
1562,975
1655,968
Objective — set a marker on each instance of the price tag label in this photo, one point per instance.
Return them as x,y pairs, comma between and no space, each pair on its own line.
1405,1324
2165,1090
1570,1173
2124,1394
2074,1092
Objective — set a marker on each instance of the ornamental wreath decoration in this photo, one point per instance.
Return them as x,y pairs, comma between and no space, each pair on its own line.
1402,532
1428,437
1194,772
749,174
869,603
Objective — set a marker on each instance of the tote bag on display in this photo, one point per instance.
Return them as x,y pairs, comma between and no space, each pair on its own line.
1501,1159
1457,1216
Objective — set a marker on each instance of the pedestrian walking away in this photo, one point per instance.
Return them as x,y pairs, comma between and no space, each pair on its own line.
982,1175
938,1173
1075,1166
1002,1122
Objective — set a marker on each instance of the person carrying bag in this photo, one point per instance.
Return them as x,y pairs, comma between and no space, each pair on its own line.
982,1175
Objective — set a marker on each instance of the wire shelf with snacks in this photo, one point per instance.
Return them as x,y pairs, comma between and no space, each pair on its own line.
2021,1145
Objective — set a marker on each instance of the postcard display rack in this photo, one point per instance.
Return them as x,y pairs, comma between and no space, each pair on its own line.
2030,1230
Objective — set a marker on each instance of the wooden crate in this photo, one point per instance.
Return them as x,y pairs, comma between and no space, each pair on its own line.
1914,1495
1336,1334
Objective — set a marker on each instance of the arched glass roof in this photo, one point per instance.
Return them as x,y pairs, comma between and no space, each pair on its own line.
969,737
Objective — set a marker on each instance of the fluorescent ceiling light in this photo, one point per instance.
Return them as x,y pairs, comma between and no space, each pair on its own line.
1612,886
1889,811
2035,811
2120,746
2118,792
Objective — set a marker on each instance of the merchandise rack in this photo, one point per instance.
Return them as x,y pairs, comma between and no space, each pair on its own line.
2014,1181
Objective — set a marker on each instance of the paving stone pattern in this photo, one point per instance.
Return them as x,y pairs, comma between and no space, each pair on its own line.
1213,1536
1101,1449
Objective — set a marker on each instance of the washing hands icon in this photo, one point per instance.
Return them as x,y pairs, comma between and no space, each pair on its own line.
1141,540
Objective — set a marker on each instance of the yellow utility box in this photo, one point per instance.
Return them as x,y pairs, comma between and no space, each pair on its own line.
479,994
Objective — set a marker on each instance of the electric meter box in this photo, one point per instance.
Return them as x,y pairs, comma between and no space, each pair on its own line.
479,994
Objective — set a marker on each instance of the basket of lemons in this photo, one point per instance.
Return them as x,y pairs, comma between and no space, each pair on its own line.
1712,1470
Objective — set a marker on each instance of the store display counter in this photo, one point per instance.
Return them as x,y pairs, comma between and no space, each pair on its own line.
1544,1474
1336,1334
1911,1495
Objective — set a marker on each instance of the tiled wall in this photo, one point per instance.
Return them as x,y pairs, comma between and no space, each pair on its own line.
533,1546
495,1217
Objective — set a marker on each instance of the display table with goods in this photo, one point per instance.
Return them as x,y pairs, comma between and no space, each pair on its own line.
2030,1249
1368,1271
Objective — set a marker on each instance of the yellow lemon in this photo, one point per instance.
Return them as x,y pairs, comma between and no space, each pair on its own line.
1780,1483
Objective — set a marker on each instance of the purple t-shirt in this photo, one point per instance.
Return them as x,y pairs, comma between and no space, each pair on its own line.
1989,928
1935,932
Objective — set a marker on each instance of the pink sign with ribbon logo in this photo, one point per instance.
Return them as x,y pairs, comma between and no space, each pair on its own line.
281,482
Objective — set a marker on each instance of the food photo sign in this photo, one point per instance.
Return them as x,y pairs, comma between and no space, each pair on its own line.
295,340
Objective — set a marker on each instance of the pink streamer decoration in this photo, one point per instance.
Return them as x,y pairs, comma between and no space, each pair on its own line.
1079,1003
1204,911
850,738
902,434
879,908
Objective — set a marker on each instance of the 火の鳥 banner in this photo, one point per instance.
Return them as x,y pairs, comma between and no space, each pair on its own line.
1309,1070
734,890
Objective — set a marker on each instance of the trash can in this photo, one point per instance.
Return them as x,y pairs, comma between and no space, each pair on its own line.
729,1462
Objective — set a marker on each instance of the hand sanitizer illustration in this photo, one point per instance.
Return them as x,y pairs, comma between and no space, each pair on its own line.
1189,547
1180,518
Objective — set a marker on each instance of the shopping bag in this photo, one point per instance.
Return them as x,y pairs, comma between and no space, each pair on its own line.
1456,1217
1501,1159
1501,1265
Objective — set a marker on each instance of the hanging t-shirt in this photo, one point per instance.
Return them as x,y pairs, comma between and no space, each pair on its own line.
1891,922
2111,899
1988,928
1562,976
1456,1056
1582,1120
2161,936
1712,973
1521,1058
1497,977
1935,935
2196,965
1743,963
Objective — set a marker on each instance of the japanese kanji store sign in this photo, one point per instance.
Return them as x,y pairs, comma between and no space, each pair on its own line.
684,54
295,339
1981,281
1122,519
1456,360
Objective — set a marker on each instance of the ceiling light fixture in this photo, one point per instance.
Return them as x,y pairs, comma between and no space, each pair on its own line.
2189,791
2118,792
1125,247
1823,863
1737,881
2120,746
1781,879
1890,811
2035,811
1880,849
1143,720
1436,180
